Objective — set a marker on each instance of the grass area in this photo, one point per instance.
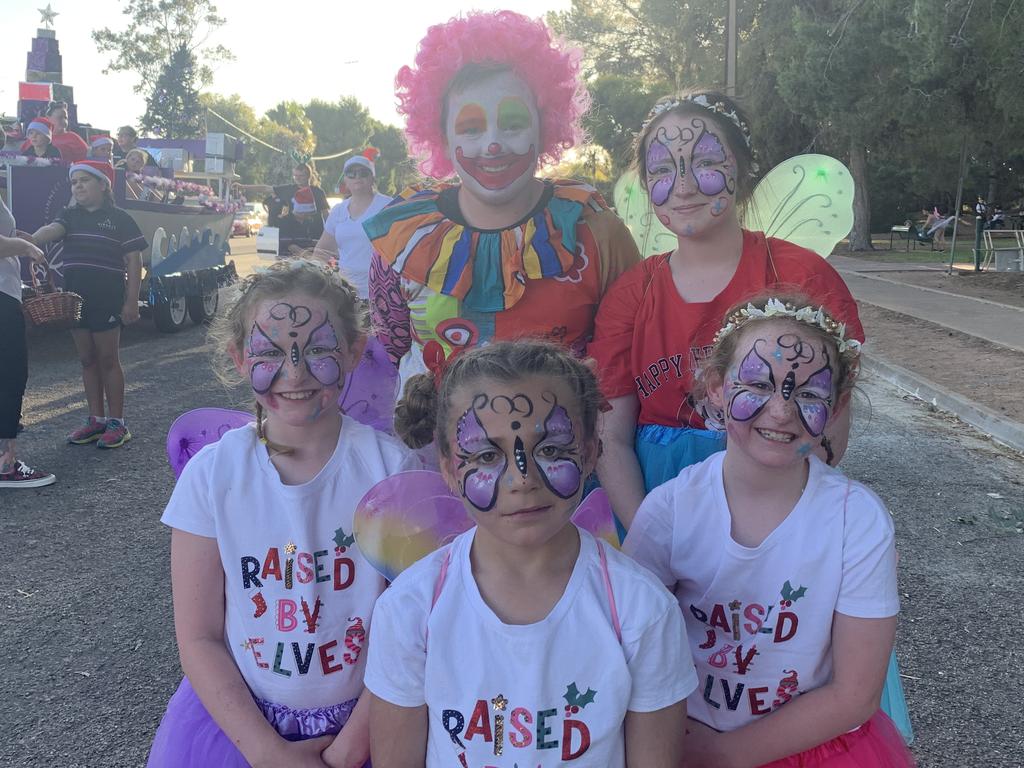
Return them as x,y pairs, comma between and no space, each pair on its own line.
919,255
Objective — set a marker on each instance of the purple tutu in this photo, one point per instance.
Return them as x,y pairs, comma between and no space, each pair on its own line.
189,738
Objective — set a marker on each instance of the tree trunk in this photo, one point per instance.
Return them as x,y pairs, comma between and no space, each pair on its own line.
860,235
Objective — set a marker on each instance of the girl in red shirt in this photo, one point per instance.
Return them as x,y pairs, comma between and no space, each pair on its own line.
657,322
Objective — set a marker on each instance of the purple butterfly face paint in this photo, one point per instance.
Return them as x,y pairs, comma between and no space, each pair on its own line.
482,461
778,371
557,454
661,172
707,161
290,342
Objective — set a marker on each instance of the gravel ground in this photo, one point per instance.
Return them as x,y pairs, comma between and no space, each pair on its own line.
88,639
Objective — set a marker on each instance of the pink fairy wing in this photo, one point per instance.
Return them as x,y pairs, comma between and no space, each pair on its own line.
406,517
370,391
195,429
594,514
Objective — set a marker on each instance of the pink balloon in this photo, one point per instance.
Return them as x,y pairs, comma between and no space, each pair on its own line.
195,429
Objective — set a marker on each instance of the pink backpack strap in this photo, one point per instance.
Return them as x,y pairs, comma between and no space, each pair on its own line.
608,589
438,586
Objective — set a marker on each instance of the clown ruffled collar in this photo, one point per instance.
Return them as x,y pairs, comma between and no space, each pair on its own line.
423,236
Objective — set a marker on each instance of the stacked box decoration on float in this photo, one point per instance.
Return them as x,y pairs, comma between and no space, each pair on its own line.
44,80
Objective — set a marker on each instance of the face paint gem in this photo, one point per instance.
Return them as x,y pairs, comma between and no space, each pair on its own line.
520,456
787,385
295,355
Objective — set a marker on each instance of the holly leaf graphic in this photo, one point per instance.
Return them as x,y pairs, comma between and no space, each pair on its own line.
574,698
342,539
788,593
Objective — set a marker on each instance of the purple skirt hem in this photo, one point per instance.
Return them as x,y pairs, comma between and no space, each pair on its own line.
188,737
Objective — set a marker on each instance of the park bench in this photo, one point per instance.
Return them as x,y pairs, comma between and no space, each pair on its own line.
911,234
1004,249
903,231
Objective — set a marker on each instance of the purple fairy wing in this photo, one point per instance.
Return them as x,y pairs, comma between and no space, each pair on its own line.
370,391
594,514
195,429
406,517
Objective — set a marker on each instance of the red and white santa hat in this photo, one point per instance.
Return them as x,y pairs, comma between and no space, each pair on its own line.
98,169
99,140
303,202
42,125
367,158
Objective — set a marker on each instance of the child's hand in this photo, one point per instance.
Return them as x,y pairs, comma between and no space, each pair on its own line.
344,753
130,312
297,754
704,746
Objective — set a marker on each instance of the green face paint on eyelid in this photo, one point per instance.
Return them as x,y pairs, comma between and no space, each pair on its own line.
513,114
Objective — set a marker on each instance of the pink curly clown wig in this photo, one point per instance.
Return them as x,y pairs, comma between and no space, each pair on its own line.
505,38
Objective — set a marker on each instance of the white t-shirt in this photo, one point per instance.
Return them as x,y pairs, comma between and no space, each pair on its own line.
354,248
760,619
10,266
298,593
561,687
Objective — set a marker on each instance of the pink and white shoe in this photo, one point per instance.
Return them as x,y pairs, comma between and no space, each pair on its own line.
23,476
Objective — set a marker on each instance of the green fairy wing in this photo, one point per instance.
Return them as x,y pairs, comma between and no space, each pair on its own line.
807,200
634,208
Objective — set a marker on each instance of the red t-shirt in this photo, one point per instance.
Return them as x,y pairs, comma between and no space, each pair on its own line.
649,340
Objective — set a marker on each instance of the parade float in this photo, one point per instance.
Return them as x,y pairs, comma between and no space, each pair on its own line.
183,208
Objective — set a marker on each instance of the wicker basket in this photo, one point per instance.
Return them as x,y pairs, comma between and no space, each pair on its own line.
53,308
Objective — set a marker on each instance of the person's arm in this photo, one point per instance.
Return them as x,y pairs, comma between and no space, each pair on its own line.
19,247
398,735
351,747
618,467
130,310
326,248
197,582
860,655
655,739
389,311
48,233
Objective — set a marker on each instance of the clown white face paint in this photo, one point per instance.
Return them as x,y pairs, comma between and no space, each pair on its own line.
691,175
517,458
779,394
293,356
493,132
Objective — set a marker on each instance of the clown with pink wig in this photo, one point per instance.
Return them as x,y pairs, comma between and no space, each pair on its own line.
498,253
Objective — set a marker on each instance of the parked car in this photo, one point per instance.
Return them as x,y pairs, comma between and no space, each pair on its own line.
246,224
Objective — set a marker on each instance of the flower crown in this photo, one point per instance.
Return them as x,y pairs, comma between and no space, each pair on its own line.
816,318
701,100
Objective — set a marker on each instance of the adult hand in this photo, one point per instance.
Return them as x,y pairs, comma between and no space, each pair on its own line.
29,250
343,753
24,235
130,312
296,754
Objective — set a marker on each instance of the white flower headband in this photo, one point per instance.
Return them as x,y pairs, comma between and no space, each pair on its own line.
701,100
816,318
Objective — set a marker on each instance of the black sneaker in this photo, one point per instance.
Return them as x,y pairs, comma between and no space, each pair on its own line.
24,476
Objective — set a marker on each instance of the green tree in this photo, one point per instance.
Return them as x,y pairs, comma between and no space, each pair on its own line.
337,126
156,30
618,105
395,169
173,110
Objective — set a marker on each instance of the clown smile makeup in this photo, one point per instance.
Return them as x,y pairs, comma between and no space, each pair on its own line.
493,132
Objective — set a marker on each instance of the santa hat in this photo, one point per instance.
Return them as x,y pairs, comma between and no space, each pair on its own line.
99,140
96,168
366,159
42,125
303,201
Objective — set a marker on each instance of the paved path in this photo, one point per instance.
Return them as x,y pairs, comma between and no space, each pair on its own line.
995,322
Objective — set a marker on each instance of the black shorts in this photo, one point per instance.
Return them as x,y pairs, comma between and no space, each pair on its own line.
102,293
13,365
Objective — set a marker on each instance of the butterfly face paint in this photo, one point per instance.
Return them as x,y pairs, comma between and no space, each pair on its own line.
782,391
557,454
690,175
493,131
291,342
517,449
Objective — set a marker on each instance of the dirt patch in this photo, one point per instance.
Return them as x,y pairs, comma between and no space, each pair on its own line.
1003,287
986,373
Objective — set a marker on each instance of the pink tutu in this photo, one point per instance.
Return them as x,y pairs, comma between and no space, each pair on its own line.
876,744
189,738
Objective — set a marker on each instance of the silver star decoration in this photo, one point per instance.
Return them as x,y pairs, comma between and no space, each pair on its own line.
48,15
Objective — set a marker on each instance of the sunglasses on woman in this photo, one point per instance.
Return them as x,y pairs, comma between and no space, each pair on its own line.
357,173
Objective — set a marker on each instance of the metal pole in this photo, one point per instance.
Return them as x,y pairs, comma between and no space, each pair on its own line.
959,201
730,50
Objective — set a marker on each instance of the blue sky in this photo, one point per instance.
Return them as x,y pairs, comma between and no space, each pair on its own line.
318,49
